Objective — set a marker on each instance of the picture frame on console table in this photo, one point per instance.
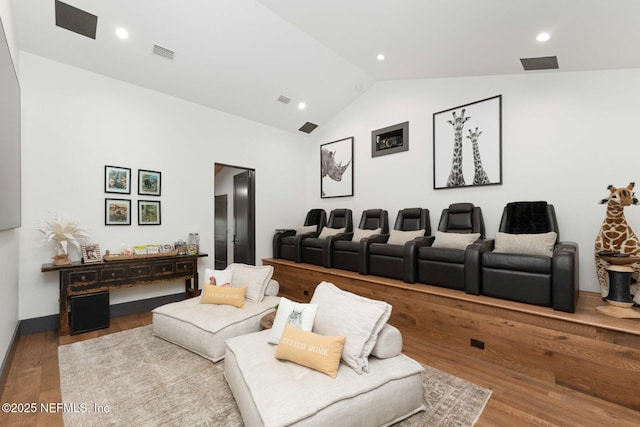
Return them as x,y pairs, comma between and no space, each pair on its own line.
117,212
467,145
336,168
117,179
148,212
149,182
91,253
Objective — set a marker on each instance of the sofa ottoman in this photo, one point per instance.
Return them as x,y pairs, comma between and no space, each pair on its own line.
270,392
204,328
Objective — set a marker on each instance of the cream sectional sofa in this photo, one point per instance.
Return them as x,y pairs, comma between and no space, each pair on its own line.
375,384
371,382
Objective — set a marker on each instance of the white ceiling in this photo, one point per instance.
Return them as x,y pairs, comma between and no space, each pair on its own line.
238,56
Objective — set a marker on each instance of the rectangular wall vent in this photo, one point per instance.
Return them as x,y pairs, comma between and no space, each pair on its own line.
76,20
284,99
163,51
543,63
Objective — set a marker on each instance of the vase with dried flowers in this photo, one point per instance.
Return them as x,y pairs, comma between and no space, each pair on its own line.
63,231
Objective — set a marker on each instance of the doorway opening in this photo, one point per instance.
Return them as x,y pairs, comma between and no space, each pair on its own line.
234,216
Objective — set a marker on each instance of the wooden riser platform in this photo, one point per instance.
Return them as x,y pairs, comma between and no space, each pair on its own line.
586,350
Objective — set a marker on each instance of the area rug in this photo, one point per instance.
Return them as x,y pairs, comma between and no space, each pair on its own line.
135,379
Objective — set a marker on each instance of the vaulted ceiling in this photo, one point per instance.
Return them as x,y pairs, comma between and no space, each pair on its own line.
240,56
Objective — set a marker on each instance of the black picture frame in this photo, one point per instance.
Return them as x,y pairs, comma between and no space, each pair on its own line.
149,182
149,212
117,179
336,168
117,212
467,145
390,140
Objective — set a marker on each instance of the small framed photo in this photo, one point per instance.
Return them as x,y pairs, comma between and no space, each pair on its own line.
148,212
91,253
149,182
117,212
117,180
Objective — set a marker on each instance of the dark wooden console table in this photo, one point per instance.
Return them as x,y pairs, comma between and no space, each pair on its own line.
79,278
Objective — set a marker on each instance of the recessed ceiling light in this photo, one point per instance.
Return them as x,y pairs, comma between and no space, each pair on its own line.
302,106
122,33
543,37
380,57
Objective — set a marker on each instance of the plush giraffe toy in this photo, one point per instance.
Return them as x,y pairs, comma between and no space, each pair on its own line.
617,236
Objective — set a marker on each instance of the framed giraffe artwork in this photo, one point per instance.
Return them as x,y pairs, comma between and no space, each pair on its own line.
467,145
336,168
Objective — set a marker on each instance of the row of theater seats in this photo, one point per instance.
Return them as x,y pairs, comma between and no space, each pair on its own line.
456,256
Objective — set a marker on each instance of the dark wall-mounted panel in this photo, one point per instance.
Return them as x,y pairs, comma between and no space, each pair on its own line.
392,139
9,138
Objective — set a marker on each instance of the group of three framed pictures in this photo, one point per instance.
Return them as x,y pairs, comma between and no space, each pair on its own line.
118,211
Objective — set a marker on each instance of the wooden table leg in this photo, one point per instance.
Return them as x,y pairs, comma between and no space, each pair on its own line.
64,310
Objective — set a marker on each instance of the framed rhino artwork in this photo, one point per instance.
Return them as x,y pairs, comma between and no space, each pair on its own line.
336,168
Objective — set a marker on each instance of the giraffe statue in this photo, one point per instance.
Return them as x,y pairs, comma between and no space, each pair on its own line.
480,177
617,236
456,179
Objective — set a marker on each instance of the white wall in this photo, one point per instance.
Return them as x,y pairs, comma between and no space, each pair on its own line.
76,122
9,239
566,137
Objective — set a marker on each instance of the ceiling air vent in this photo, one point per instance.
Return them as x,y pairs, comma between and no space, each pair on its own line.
284,99
163,51
76,20
308,127
543,63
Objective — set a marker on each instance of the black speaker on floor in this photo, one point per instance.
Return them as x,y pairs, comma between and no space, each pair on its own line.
89,312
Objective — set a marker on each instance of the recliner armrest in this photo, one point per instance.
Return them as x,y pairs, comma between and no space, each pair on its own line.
565,276
363,250
327,249
279,234
473,265
298,243
424,241
410,257
342,236
286,231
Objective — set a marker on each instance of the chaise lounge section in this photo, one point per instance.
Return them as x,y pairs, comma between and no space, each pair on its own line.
205,328
370,373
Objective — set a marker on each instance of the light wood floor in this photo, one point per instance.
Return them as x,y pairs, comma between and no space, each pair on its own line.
517,400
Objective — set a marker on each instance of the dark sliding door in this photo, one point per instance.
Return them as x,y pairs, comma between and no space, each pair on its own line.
243,218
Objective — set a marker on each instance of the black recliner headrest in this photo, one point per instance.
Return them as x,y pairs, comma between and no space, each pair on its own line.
527,218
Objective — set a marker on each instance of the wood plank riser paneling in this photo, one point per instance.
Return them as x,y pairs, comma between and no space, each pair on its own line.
574,350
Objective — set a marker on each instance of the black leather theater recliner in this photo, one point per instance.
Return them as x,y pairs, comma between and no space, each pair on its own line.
316,250
449,266
548,280
286,243
399,260
349,251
